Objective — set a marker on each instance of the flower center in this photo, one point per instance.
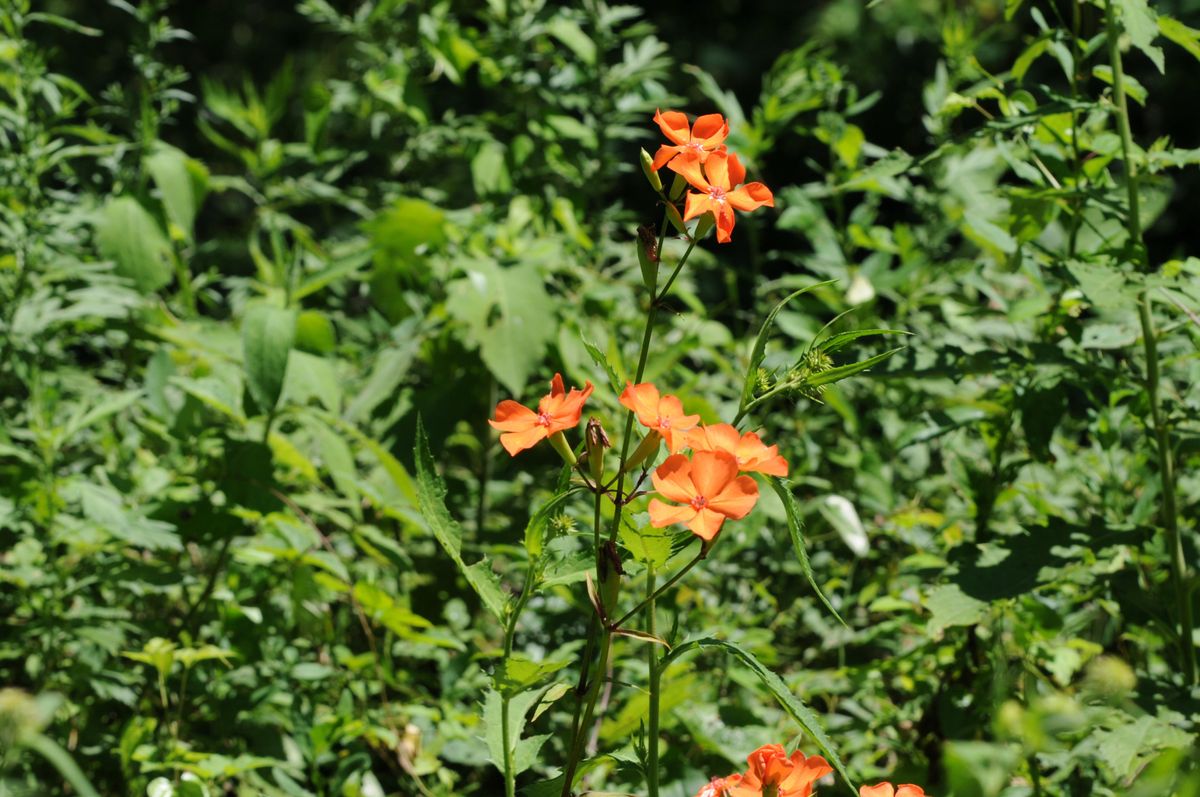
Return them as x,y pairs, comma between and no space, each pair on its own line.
664,423
543,419
696,145
699,502
717,194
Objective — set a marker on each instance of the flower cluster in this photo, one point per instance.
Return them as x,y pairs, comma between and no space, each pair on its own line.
698,154
773,773
705,489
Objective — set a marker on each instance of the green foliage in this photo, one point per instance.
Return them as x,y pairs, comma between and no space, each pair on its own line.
266,268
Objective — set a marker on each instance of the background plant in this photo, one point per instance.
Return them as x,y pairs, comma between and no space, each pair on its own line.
245,244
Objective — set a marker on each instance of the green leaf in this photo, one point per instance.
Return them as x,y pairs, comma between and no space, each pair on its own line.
182,182
489,174
574,38
759,350
61,760
267,336
800,713
1125,748
648,545
796,531
130,237
843,339
1186,37
847,371
1141,23
535,530
431,495
508,315
950,606
598,357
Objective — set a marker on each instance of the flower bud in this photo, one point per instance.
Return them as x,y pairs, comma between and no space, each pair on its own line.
647,448
676,219
648,256
610,577
706,223
650,172
596,441
677,187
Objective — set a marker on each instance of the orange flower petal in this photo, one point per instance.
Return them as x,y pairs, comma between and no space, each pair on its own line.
673,479
737,172
663,515
706,524
725,222
688,165
710,130
805,772
718,437
698,205
737,499
884,789
674,125
567,415
751,196
516,442
712,471
717,169
664,154
909,790
513,417
643,400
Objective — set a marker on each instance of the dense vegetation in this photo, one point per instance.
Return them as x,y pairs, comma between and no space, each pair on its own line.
268,268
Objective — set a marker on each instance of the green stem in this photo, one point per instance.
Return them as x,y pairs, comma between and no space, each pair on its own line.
585,719
666,586
1166,464
655,694
510,778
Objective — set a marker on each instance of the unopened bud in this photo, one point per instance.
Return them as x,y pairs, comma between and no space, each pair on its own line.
650,172
675,219
647,448
706,223
610,577
648,256
677,187
596,441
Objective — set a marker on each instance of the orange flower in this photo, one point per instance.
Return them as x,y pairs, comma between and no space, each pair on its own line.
709,489
752,455
773,771
886,789
558,410
664,415
705,136
718,194
719,787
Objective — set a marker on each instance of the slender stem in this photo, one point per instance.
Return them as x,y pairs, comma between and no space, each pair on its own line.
585,719
1166,464
510,778
678,267
666,586
655,694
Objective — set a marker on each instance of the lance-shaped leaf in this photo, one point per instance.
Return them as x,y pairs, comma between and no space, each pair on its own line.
760,343
796,531
800,713
267,336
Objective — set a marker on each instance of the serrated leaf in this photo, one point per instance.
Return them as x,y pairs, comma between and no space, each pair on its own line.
1186,37
796,532
599,358
267,336
950,606
130,237
843,339
800,713
486,583
1141,23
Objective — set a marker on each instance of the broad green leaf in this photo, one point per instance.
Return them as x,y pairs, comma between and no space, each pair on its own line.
267,336
648,545
796,531
574,38
800,713
1186,37
1126,748
130,237
489,174
508,315
759,350
486,583
182,182
949,606
1141,23
61,760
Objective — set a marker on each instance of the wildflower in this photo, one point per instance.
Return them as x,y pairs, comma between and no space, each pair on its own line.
709,489
752,455
557,411
719,195
886,789
700,139
719,787
663,415
772,771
